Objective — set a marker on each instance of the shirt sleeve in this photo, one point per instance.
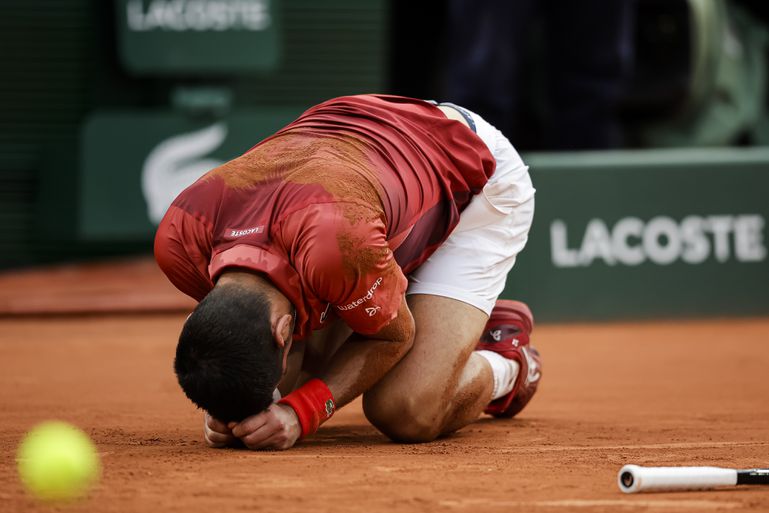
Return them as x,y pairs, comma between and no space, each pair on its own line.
182,251
343,256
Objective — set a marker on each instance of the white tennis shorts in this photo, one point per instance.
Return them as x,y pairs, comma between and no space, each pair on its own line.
472,264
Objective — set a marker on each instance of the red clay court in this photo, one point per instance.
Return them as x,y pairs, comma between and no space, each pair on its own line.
655,393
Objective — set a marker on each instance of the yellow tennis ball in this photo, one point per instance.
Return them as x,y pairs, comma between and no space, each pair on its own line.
58,462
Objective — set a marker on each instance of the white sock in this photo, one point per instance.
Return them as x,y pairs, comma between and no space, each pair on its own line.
504,371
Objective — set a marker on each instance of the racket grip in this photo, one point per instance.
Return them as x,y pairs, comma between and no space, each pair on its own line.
634,478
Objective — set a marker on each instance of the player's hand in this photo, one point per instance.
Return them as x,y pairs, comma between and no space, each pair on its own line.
277,427
216,433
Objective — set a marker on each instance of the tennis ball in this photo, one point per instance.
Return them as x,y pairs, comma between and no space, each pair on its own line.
57,462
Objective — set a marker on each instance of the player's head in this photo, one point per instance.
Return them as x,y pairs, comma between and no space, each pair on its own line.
227,360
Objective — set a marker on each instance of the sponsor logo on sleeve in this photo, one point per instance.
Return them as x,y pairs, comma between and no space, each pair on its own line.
361,300
234,234
324,313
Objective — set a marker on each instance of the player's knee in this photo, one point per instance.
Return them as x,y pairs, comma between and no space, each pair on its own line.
402,419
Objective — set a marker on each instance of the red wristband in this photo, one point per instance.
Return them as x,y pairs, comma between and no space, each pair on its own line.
313,404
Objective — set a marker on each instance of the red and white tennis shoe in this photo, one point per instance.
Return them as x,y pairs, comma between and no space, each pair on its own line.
507,333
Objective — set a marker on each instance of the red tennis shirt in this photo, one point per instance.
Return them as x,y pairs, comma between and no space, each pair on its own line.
335,209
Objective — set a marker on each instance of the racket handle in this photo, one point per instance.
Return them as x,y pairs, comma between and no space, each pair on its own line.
634,478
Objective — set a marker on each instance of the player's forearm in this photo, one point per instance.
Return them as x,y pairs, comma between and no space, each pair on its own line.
360,363
356,366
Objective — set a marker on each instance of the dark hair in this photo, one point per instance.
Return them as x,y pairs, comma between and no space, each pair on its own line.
227,361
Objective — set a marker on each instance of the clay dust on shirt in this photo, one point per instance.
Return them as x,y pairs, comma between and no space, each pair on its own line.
337,163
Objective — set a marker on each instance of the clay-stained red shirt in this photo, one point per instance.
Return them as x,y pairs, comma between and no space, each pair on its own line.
335,209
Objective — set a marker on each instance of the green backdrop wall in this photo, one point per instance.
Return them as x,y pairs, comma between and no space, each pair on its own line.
664,233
